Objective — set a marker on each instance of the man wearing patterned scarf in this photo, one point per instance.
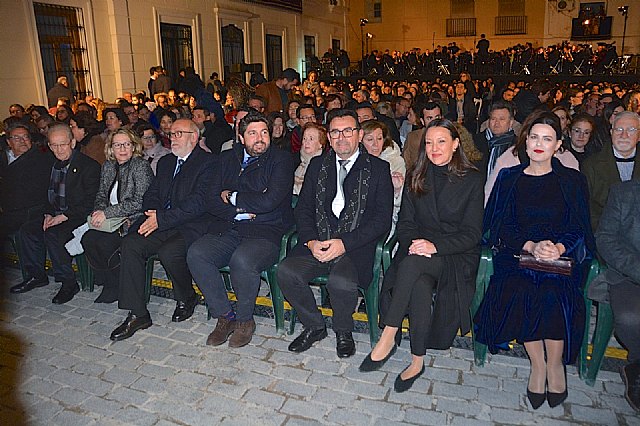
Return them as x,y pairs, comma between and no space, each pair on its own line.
345,207
499,135
72,191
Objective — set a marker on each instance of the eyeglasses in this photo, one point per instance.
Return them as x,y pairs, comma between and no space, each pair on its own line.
177,134
122,145
149,138
59,145
347,133
20,138
620,130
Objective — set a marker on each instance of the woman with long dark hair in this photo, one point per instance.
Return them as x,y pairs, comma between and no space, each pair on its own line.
539,207
439,230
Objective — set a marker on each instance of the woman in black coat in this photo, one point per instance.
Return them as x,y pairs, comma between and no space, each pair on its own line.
439,231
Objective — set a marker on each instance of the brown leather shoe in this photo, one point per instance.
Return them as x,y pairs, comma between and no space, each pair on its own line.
242,334
220,334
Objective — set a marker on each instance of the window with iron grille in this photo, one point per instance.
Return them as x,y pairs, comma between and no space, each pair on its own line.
309,46
377,10
177,48
511,17
63,46
373,10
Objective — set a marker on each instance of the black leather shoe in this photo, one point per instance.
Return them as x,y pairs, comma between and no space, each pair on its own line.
345,346
29,285
65,294
307,338
184,310
370,365
401,385
130,326
553,398
536,399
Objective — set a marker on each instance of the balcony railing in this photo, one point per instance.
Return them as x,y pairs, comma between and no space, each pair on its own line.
461,27
510,25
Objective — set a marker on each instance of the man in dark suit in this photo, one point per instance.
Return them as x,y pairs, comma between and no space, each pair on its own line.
499,135
616,163
462,108
618,240
344,208
24,178
251,206
73,184
175,208
213,132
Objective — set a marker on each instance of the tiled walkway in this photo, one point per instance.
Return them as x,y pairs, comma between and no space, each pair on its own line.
58,367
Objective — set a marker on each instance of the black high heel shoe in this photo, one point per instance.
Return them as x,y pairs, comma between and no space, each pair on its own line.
402,385
554,399
536,399
370,365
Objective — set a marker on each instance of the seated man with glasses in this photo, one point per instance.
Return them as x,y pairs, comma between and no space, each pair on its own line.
72,187
24,177
175,215
616,163
344,208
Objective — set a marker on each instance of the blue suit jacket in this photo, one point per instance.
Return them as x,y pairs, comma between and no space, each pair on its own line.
264,188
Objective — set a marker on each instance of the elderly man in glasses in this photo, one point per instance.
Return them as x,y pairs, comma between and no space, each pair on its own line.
345,207
616,163
72,186
24,176
175,216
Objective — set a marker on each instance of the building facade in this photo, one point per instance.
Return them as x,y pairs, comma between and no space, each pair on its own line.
403,25
106,47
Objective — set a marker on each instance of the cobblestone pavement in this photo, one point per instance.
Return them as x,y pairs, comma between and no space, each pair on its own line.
58,367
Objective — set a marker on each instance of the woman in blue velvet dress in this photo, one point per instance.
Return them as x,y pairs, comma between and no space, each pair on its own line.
540,207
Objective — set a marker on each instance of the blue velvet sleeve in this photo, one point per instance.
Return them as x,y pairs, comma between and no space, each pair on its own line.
511,235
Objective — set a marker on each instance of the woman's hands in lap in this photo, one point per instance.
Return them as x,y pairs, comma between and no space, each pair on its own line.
545,250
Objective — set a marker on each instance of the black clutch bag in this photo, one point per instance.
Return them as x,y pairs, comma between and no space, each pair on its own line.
561,266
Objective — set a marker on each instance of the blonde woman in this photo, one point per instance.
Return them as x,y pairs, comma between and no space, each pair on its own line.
125,177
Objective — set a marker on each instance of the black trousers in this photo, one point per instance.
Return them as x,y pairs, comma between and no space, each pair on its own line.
135,250
294,274
625,303
102,250
413,285
35,243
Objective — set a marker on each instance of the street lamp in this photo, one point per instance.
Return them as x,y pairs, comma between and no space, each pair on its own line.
624,11
363,22
369,37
